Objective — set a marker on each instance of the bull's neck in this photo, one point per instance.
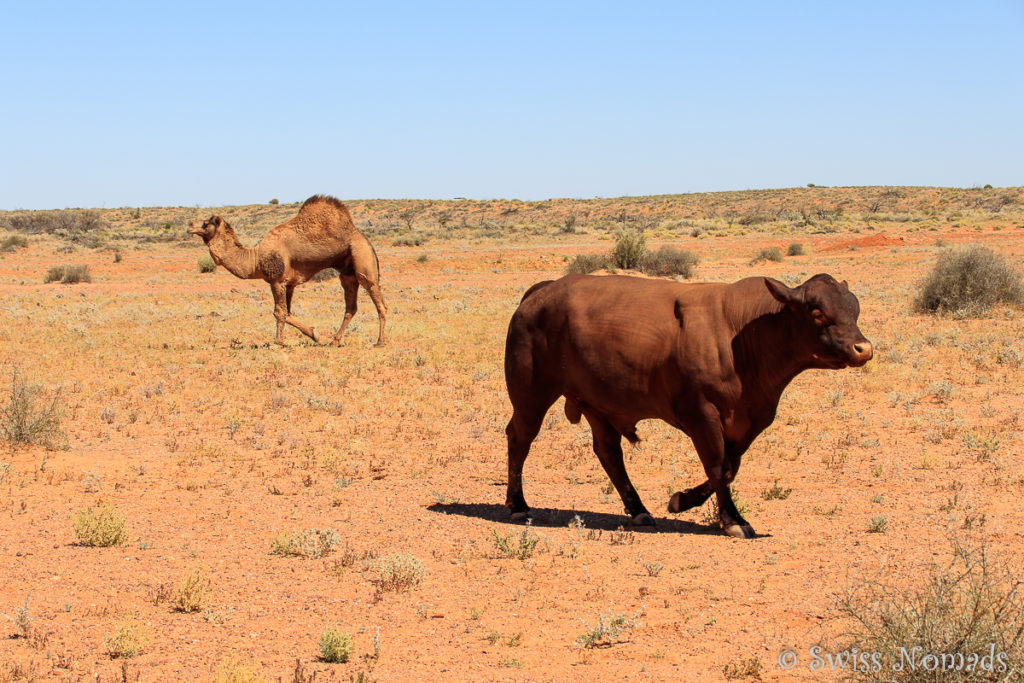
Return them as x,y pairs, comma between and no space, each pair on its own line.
769,350
238,260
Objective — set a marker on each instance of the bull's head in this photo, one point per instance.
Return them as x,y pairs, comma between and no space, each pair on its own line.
828,310
208,229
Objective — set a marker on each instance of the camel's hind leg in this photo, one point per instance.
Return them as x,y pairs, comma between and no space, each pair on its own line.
377,296
282,312
350,286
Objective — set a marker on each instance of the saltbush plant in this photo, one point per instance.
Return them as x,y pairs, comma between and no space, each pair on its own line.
968,282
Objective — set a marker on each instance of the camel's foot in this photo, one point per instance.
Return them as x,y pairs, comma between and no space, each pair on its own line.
642,519
380,344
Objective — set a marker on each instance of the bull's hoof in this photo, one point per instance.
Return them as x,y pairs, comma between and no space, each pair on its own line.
519,517
643,519
682,501
740,531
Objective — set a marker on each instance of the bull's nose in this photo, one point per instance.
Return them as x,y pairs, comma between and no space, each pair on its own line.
864,351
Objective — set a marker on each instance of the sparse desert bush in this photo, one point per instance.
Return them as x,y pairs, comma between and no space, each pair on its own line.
968,282
325,274
29,418
335,645
100,528
767,254
68,221
964,611
309,543
22,619
630,249
878,525
795,249
776,492
670,261
129,640
13,243
743,670
520,546
414,240
207,264
232,670
68,274
588,263
607,631
193,591
397,573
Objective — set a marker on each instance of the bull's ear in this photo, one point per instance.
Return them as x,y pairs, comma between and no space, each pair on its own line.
782,293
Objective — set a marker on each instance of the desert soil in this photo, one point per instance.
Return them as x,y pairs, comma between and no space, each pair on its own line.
210,441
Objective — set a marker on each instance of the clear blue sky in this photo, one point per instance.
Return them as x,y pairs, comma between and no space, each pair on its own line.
211,103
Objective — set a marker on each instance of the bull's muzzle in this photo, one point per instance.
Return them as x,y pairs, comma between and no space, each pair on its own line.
861,353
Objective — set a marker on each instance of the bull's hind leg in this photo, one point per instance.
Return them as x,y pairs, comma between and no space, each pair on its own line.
608,448
522,429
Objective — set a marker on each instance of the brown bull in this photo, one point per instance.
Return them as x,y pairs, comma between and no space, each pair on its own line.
709,359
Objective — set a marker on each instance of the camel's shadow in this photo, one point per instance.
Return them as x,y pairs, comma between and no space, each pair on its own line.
555,517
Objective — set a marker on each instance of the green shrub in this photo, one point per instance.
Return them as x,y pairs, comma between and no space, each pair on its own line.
100,528
30,419
335,645
207,264
767,254
588,263
630,249
68,274
670,261
969,281
795,249
970,607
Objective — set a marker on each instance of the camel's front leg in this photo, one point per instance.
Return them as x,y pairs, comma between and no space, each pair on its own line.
282,312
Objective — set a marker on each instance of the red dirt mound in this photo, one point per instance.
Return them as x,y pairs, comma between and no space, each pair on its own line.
869,241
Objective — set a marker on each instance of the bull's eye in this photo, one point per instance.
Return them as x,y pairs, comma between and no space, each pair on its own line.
820,319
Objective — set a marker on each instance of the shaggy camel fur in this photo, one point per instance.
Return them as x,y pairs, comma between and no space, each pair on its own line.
321,236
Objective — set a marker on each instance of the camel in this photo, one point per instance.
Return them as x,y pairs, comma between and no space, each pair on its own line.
321,236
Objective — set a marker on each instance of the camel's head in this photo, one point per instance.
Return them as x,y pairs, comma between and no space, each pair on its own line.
209,228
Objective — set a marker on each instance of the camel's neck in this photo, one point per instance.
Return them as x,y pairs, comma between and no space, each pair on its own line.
240,261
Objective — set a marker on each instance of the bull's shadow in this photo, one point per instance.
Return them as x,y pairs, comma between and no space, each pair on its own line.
555,517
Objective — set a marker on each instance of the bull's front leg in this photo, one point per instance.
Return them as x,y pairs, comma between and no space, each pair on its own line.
721,462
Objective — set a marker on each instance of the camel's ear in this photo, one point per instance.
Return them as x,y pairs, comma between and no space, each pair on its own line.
787,295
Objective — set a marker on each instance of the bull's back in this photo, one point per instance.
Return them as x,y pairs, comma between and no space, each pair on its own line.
588,334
